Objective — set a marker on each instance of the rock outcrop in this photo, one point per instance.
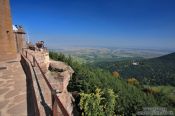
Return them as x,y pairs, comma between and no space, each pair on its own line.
59,76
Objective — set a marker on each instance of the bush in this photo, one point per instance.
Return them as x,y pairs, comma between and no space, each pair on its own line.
98,103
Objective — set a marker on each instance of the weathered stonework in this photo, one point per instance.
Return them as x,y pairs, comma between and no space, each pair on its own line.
61,73
59,77
42,58
7,40
20,38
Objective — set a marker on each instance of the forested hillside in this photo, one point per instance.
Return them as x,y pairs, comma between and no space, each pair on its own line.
155,71
101,93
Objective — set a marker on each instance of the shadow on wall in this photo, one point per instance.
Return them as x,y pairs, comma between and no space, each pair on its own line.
30,96
32,107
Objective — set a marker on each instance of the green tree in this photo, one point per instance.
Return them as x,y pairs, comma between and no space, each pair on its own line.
99,103
90,103
110,102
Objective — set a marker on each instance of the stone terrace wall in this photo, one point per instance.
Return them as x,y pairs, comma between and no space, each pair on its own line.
59,79
32,89
42,58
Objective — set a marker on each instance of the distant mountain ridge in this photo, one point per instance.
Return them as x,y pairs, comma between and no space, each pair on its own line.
168,57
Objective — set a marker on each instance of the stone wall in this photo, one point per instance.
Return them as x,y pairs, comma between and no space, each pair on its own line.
42,58
32,89
58,75
7,40
20,39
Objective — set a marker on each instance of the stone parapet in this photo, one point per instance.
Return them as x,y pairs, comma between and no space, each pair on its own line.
42,58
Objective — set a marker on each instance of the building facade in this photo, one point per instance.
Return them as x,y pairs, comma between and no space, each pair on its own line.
7,41
12,38
19,35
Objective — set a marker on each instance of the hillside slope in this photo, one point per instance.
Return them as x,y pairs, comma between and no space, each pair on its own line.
99,89
155,71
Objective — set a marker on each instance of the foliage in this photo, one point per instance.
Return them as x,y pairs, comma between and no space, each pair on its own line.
97,104
133,81
165,95
155,71
90,103
87,79
110,102
115,74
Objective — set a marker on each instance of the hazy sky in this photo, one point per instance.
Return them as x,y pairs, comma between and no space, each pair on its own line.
116,23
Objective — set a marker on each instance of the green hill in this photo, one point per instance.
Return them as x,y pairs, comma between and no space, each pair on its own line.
155,71
168,58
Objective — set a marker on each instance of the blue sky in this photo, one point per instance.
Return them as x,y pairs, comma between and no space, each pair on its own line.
115,23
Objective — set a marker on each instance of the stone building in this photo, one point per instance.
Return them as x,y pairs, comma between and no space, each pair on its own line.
19,35
7,40
12,39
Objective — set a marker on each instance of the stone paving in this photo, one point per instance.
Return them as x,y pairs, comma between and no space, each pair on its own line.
13,97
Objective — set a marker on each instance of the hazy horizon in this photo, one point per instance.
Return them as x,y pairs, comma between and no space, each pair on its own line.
105,46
